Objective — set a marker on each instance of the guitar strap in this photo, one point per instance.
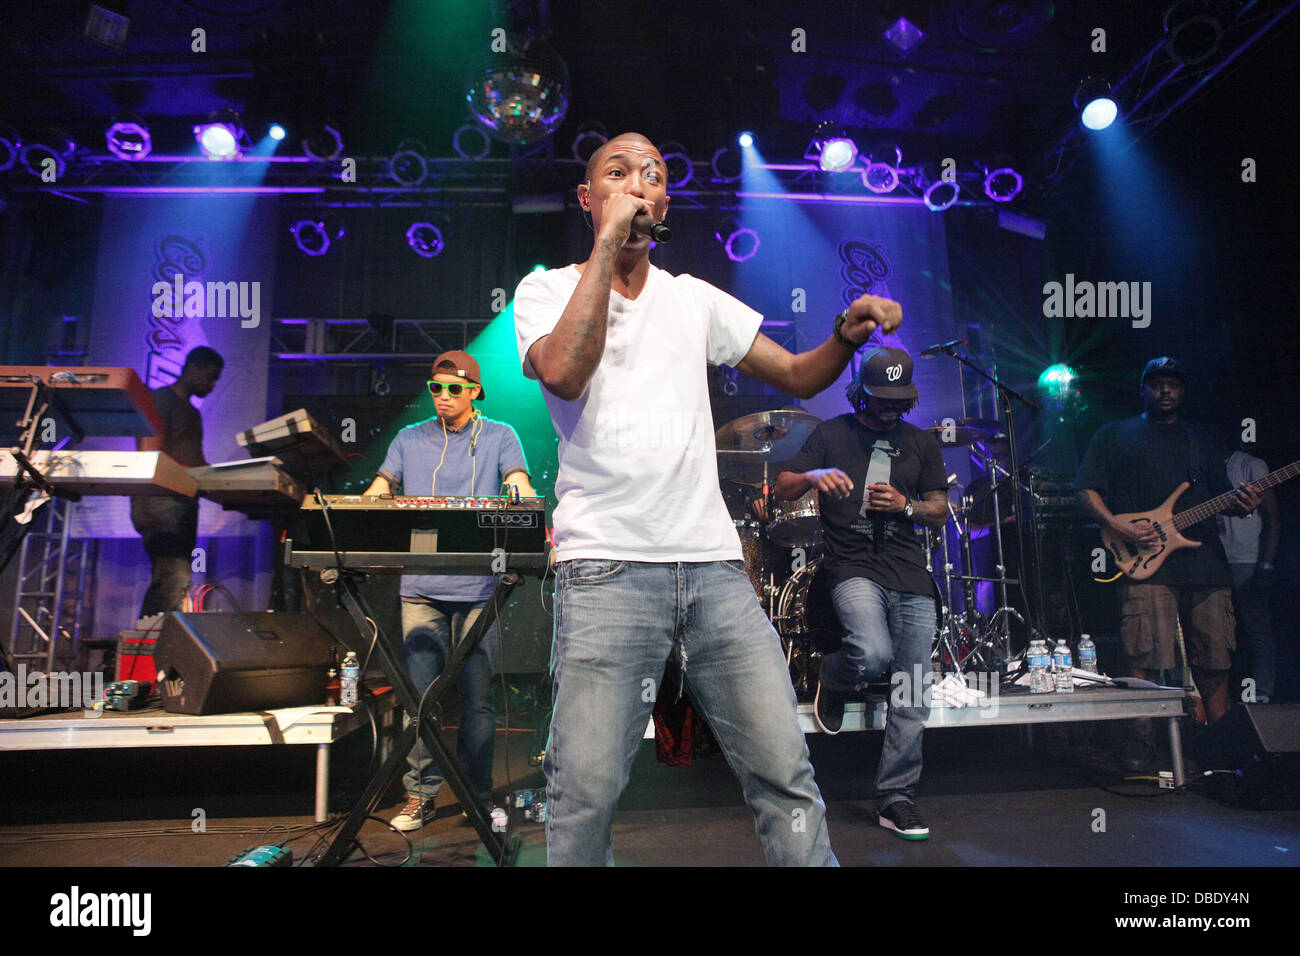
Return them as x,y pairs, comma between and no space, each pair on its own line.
1194,453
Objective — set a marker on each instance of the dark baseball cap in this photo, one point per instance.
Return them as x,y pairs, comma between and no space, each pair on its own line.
1164,365
459,363
887,373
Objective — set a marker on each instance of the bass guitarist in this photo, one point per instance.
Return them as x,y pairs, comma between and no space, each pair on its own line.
1133,465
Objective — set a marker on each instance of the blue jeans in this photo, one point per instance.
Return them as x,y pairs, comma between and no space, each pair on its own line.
616,624
429,632
884,627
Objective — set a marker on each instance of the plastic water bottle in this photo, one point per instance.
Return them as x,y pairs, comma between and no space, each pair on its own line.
1040,662
351,680
1061,667
1087,655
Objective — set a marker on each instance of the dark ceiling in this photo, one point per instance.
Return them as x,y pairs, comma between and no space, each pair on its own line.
992,77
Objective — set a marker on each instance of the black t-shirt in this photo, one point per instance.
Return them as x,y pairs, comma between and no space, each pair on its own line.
182,427
884,548
1135,464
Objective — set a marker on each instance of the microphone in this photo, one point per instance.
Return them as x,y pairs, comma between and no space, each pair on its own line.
645,226
934,350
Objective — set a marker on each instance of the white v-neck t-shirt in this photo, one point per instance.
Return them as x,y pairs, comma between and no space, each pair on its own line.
638,476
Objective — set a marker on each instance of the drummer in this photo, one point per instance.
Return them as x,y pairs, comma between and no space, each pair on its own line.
878,478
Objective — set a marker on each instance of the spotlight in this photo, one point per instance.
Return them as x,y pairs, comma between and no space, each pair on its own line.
129,139
1003,184
904,35
408,166
678,163
220,136
48,144
471,143
883,163
312,236
940,194
1191,33
276,132
592,135
832,149
741,245
520,96
425,239
11,144
1093,101
539,268
1057,380
323,143
745,140
727,164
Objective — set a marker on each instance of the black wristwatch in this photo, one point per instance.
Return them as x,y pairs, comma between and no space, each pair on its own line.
839,336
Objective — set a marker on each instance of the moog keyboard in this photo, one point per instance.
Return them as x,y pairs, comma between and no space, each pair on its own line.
425,534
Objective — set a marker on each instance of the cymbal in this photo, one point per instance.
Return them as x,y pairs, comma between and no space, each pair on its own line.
967,431
778,435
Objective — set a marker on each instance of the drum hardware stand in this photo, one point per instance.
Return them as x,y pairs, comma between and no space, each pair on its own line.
429,729
1005,396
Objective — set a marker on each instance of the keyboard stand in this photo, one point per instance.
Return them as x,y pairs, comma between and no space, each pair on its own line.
503,849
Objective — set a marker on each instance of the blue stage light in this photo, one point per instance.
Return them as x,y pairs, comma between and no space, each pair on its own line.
745,140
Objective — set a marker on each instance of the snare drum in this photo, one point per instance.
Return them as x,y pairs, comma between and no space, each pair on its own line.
797,523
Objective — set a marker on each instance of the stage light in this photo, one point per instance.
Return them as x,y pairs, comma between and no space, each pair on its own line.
678,163
1057,380
940,194
838,155
520,96
884,159
48,144
728,164
592,135
323,143
904,35
220,137
311,237
1092,99
745,140
741,244
128,139
539,268
425,239
408,167
11,144
1191,33
276,132
471,143
1003,184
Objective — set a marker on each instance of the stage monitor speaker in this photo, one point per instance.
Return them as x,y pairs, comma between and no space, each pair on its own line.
1260,743
218,663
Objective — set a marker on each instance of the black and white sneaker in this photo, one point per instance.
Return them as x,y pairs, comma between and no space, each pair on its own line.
902,817
828,710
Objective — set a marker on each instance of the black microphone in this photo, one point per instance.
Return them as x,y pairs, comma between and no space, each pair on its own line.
645,226
934,350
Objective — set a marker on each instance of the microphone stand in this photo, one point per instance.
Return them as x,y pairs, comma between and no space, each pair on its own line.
1005,395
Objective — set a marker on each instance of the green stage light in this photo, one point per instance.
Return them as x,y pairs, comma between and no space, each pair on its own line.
539,268
1057,380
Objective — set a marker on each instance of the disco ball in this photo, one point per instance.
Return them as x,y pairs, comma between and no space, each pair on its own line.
521,95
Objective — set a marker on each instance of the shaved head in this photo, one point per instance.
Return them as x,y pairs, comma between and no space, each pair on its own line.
599,154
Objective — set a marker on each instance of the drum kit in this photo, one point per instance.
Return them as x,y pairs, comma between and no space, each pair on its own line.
781,542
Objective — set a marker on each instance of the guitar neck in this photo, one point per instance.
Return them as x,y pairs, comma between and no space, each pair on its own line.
1208,509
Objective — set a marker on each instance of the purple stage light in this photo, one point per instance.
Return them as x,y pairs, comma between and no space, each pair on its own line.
425,239
408,167
219,140
48,145
837,154
1003,185
904,35
129,140
741,246
311,237
880,177
678,164
940,194
470,142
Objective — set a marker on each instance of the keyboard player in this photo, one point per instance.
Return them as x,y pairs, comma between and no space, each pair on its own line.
169,524
456,452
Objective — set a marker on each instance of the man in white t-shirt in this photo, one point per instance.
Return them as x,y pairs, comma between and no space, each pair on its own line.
649,563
